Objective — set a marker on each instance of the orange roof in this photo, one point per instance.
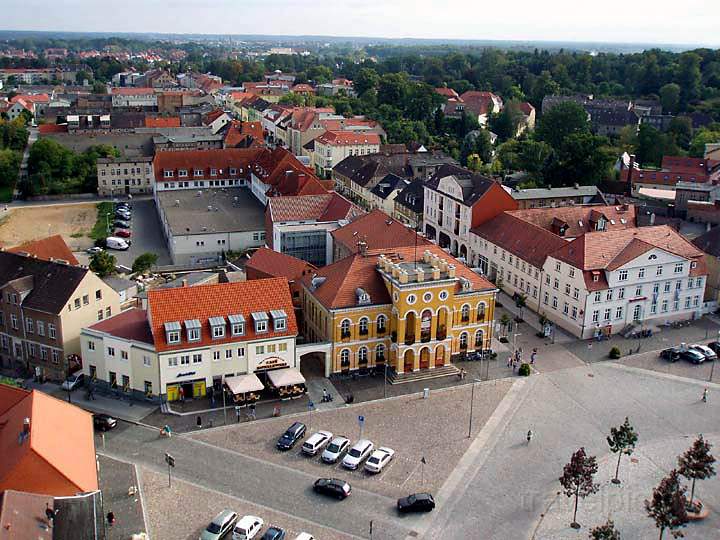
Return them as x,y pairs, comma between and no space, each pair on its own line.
52,248
57,457
379,231
52,128
447,92
162,122
268,263
219,300
347,138
238,158
323,207
239,96
34,98
578,218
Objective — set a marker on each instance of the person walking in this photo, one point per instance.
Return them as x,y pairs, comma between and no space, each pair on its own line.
111,518
325,396
529,435
252,411
705,395
533,355
50,514
510,361
181,391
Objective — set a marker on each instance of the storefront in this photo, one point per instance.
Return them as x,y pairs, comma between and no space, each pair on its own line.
244,389
287,382
189,386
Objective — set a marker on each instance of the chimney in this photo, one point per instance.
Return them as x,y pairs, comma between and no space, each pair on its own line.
26,425
427,256
435,272
451,270
184,282
403,276
420,275
443,265
395,270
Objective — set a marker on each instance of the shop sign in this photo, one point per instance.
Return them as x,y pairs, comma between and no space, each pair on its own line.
272,363
186,374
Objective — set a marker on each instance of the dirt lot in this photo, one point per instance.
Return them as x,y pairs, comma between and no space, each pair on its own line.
20,225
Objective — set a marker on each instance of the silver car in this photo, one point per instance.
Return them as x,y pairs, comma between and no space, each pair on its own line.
337,447
221,525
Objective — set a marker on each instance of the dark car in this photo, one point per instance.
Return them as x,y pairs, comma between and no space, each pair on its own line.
125,205
121,224
274,533
123,216
417,502
715,346
333,487
692,356
293,434
104,422
672,354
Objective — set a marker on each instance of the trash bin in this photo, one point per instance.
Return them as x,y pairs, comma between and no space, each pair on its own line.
426,393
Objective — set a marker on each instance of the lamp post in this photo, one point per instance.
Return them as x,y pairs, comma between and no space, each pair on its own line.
222,389
385,382
472,401
67,382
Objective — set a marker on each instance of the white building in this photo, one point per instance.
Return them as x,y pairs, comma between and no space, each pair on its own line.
332,147
134,97
125,175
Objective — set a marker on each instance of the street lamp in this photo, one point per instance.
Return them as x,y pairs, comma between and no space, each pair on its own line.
385,382
472,401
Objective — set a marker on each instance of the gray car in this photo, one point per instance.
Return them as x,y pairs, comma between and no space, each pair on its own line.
220,526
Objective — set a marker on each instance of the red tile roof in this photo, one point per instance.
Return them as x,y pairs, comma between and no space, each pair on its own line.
379,231
526,108
213,115
131,324
323,207
220,300
162,122
303,88
348,138
579,219
447,92
34,98
266,263
44,129
478,102
225,159
48,249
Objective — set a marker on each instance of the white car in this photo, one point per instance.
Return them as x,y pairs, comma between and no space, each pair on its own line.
73,381
337,447
247,528
316,442
304,536
706,351
379,458
360,450
93,250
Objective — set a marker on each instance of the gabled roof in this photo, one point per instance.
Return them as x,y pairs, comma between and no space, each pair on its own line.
447,92
473,185
478,102
131,324
204,301
412,196
323,207
348,138
709,242
239,158
580,218
50,248
269,263
58,455
388,185
378,231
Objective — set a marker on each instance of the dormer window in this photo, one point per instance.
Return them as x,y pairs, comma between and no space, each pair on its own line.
237,325
172,332
168,174
260,318
182,173
213,172
279,319
198,172
193,329
217,325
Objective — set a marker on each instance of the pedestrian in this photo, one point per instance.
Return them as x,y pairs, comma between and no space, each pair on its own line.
237,414
199,422
50,514
111,518
182,395
211,393
510,361
532,356
325,396
705,395
252,411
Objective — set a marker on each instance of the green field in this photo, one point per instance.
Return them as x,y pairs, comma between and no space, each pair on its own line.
100,231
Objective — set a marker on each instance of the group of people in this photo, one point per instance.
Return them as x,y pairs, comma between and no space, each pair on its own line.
515,359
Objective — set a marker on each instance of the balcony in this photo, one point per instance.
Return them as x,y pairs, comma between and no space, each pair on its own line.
410,339
441,333
425,336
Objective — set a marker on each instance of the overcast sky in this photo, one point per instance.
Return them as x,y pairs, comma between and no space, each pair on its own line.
634,21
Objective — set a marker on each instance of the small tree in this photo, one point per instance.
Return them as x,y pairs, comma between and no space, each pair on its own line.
667,506
622,441
520,303
577,479
144,262
504,321
102,263
605,532
697,463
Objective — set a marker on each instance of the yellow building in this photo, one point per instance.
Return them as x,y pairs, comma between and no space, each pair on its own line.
414,312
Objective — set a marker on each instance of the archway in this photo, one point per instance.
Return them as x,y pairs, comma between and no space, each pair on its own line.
408,361
443,240
425,358
463,252
440,356
441,328
454,248
430,232
479,339
410,328
425,326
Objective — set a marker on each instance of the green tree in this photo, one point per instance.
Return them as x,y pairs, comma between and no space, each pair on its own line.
144,262
477,143
667,506
653,145
583,158
393,89
505,123
102,263
670,98
366,79
689,77
697,463
320,74
681,131
607,531
560,122
9,166
621,440
702,137
99,88
577,479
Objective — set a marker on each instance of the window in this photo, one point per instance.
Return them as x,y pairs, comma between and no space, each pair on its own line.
535,292
77,303
463,340
638,291
595,316
345,359
567,289
91,345
465,313
146,361
609,295
598,296
362,355
14,321
31,350
193,334
44,353
380,353
664,306
241,352
557,266
556,284
574,313
100,316
345,328
218,331
271,348
260,349
216,356
546,298
282,347
667,286
687,302
641,273
555,302
280,324
566,308
481,313
39,324
636,312
197,358
173,336
678,268
623,275
260,326
363,326
55,357
571,272
696,301
381,322
182,173
29,326
111,351
172,361
659,271
238,329
124,355
606,315
690,283
228,354
108,312
86,300
547,280
185,360
576,293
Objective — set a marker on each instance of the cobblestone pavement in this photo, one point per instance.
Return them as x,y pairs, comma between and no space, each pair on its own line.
115,479
199,505
435,428
651,361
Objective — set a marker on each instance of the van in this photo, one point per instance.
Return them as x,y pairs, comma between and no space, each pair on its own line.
316,442
247,528
113,242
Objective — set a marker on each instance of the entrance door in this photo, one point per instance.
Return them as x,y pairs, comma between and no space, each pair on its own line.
187,390
440,357
425,358
198,389
409,361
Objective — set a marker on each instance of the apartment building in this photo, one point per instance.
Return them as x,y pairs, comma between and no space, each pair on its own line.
43,306
134,97
125,175
332,147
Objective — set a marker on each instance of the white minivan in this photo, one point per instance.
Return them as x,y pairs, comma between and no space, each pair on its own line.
247,528
316,442
113,242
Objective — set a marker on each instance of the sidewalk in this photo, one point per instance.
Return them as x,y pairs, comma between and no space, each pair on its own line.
531,319
116,479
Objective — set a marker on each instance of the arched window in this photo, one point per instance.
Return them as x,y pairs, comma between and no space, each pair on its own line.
481,313
363,356
465,313
345,328
463,340
380,353
381,323
345,359
363,326
479,339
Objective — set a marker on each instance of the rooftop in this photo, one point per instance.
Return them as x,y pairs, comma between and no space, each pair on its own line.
211,210
323,207
378,231
49,249
709,242
273,264
550,193
131,324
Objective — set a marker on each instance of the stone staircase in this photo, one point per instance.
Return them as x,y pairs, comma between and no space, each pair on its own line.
422,375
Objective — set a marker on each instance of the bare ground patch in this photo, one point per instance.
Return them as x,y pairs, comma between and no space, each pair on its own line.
72,221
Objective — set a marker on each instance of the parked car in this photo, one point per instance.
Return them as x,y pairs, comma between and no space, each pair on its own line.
706,351
417,502
333,487
104,422
316,442
123,233
693,356
337,447
247,528
379,458
120,224
220,525
672,354
274,533
357,454
715,346
304,536
114,242
93,250
293,434
73,381
123,205
123,216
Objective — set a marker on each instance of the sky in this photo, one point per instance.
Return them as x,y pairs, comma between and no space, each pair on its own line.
624,21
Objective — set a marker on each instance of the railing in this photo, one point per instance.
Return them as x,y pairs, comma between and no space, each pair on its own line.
344,335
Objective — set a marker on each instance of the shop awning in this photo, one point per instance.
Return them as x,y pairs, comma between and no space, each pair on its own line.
242,384
285,377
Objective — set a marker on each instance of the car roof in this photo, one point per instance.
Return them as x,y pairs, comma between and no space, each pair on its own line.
362,442
296,425
223,516
422,495
246,520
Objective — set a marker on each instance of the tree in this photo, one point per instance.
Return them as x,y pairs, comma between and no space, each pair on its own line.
102,263
144,262
520,303
697,463
670,98
577,479
366,79
653,145
560,122
99,88
505,123
667,506
504,322
583,158
702,137
9,166
688,76
681,130
622,441
607,531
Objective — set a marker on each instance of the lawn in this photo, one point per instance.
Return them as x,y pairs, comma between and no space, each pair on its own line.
100,229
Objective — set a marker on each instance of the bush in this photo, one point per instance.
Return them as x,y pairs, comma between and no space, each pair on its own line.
614,353
524,369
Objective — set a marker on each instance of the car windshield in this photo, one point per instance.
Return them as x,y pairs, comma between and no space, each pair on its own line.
354,452
214,528
411,499
373,460
332,447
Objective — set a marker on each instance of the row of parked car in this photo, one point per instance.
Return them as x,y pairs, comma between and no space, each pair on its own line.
245,528
334,449
696,354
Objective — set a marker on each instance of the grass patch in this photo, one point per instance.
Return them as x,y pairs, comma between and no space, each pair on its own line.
100,230
77,235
